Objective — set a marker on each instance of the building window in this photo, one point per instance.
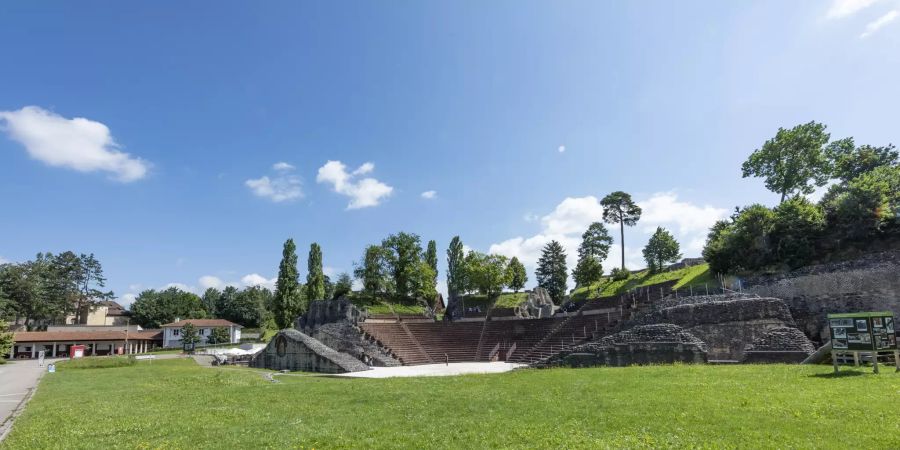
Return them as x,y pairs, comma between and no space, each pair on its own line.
176,332
202,332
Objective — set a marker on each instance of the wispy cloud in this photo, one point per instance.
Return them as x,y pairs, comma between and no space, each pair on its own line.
879,23
79,144
429,195
845,8
363,193
283,186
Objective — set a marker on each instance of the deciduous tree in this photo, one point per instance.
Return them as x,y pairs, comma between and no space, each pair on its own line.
793,162
403,255
661,249
152,308
315,279
288,300
516,274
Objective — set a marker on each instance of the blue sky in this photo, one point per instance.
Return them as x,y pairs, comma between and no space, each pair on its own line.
150,134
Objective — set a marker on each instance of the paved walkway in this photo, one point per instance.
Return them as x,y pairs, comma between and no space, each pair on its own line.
17,379
433,370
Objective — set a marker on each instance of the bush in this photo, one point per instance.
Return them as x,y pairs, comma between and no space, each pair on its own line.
619,274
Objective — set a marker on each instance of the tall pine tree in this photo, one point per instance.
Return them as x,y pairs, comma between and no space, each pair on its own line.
288,301
315,279
552,272
619,208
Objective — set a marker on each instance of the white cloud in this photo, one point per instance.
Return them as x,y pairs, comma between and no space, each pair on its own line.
209,281
571,217
363,193
843,8
331,272
126,300
4,260
255,279
281,166
561,149
878,23
80,144
181,286
429,195
283,186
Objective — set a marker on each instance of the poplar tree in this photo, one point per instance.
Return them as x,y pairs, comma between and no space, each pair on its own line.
315,279
455,268
287,302
431,259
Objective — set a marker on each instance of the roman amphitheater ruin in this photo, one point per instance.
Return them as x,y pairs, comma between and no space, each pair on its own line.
766,320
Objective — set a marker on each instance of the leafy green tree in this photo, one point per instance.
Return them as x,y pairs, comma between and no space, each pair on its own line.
594,248
745,244
372,271
424,282
619,208
849,161
27,288
329,287
488,274
315,279
245,307
794,162
343,286
552,272
6,339
797,227
211,299
516,274
189,334
867,206
152,308
431,259
219,335
455,268
404,253
661,249
288,301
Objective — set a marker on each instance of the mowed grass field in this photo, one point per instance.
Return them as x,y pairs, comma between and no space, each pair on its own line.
177,404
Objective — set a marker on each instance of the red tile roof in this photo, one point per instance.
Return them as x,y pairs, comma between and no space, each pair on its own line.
202,323
84,336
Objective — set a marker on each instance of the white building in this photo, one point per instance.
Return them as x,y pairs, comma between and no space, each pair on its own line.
204,327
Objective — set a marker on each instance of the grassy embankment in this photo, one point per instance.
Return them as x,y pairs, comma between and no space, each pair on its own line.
176,404
697,276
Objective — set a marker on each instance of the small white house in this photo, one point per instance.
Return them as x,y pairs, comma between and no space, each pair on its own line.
204,327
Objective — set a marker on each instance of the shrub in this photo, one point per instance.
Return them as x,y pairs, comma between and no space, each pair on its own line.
796,230
619,274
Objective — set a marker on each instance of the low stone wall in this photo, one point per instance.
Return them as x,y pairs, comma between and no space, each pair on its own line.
779,345
295,351
647,344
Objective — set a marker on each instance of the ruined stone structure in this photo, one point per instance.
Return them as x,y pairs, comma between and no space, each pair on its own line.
726,326
538,305
645,344
870,283
779,345
335,323
293,350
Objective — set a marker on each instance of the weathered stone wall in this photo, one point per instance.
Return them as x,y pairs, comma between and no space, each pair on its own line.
727,326
647,344
295,351
327,311
871,283
779,345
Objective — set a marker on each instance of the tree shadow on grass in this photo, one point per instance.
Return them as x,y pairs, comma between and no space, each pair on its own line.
841,374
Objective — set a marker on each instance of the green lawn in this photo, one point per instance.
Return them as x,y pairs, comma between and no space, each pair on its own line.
696,275
176,404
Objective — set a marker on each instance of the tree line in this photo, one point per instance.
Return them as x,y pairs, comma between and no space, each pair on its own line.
51,287
860,210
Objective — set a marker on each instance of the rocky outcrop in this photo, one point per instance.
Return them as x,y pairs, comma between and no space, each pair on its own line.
295,351
347,338
646,344
321,312
538,305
